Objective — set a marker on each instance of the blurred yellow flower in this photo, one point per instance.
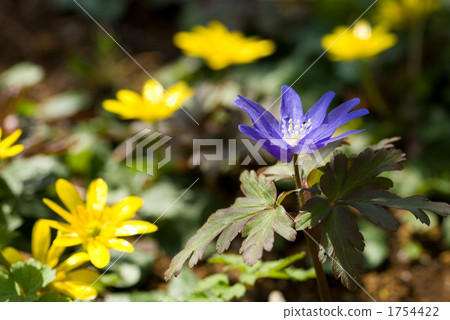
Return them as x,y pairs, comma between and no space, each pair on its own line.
7,149
70,280
401,13
154,104
220,48
95,225
360,42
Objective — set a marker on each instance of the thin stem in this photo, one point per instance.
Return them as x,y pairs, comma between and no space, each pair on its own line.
311,241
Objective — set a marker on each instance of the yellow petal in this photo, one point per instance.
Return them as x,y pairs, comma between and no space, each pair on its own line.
83,275
96,195
128,97
9,141
58,225
127,208
178,94
133,227
40,240
120,244
98,253
75,289
68,194
12,255
53,255
11,152
113,106
67,240
60,211
73,262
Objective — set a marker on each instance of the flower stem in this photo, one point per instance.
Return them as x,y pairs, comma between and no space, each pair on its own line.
311,241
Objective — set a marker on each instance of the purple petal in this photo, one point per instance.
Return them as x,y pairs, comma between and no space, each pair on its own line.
328,129
319,109
340,110
275,146
306,146
261,118
291,105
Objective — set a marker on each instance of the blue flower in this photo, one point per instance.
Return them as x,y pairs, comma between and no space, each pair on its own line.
297,133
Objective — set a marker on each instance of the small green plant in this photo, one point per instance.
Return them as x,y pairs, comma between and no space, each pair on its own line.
329,195
24,281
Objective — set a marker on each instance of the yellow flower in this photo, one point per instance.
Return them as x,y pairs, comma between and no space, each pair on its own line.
360,42
220,48
401,13
6,151
153,105
95,225
70,279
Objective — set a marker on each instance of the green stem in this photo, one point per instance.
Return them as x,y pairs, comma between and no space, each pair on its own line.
311,240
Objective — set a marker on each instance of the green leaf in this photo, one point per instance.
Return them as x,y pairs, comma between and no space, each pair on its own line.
227,292
258,187
32,174
24,74
180,288
314,177
301,275
415,204
217,288
32,276
63,105
257,216
259,233
211,281
352,184
8,288
317,209
278,269
342,241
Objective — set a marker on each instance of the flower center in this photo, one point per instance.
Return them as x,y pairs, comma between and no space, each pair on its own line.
294,132
362,30
93,229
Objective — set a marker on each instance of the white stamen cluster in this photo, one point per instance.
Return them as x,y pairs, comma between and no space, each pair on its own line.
294,132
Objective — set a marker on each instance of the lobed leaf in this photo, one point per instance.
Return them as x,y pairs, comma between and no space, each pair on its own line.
8,288
278,269
342,241
32,276
259,233
257,217
352,184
